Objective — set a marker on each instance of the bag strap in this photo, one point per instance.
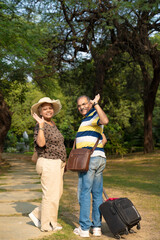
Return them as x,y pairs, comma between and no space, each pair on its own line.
94,147
74,144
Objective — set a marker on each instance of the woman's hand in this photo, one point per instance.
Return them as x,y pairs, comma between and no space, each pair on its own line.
38,119
40,138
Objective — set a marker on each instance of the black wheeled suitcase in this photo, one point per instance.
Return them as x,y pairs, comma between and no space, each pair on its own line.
120,215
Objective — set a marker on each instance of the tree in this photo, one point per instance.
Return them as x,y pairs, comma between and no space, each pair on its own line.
46,36
107,28
20,98
20,47
120,90
5,122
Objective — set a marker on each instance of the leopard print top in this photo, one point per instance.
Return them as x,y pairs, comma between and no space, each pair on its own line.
54,148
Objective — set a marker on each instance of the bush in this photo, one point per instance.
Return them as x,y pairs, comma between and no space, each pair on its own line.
68,151
115,146
11,150
21,146
10,141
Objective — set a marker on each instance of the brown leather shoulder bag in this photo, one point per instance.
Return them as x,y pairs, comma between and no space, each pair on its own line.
78,160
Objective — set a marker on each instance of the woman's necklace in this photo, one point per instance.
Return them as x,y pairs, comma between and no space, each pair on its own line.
50,123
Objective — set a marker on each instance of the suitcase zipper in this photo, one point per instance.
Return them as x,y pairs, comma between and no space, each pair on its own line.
136,211
123,217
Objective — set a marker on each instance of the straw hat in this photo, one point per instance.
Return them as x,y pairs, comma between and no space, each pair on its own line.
56,105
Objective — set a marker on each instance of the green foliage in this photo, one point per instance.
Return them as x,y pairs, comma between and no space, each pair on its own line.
78,80
11,140
121,101
19,38
32,43
21,118
156,122
11,150
20,147
20,45
67,129
68,150
115,142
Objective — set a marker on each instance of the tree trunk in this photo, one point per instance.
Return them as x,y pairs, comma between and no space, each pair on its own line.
102,63
5,122
150,91
148,137
100,75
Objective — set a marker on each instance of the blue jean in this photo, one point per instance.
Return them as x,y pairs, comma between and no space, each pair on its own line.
91,182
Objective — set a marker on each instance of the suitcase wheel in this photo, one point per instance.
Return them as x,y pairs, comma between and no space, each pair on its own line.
138,226
117,236
126,232
131,231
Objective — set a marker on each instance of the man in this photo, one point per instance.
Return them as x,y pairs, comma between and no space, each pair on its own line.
91,182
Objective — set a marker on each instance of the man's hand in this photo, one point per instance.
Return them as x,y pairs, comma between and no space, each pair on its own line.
103,119
96,99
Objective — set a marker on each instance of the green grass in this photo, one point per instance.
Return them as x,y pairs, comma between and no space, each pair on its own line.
3,190
65,234
136,176
4,167
138,173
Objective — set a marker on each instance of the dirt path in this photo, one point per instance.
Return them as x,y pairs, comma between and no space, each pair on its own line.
20,193
150,230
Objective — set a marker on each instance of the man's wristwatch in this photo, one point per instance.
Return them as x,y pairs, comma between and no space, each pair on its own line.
95,103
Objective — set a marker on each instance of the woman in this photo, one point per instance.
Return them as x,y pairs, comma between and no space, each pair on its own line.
49,144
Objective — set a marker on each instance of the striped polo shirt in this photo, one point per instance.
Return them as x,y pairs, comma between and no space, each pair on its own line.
88,133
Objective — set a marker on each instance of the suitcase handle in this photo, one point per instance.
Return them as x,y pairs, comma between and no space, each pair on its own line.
105,194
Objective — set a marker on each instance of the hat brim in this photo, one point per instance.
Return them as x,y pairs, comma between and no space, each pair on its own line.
56,106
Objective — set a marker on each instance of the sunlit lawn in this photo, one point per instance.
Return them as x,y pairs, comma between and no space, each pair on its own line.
136,172
135,176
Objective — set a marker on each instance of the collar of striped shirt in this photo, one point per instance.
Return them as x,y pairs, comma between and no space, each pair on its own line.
90,111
